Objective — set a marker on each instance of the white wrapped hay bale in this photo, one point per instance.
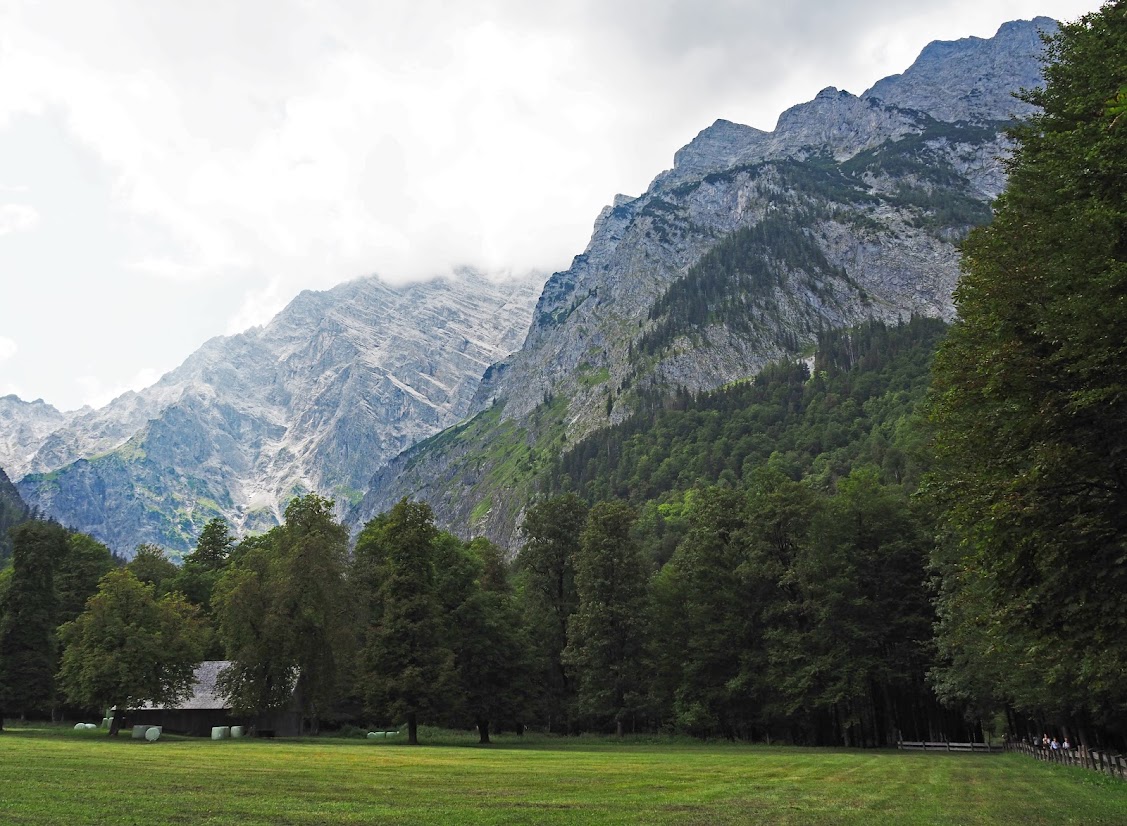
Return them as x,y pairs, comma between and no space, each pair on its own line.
237,731
220,732
139,732
153,734
79,726
90,726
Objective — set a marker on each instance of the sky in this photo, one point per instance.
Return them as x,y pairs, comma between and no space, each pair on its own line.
173,171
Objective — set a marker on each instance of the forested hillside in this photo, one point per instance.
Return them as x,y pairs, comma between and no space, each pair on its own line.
13,510
854,409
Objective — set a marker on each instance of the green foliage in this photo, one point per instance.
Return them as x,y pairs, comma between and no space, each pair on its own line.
733,283
77,576
28,618
606,634
128,647
1030,408
253,633
551,532
490,649
408,662
282,612
13,511
857,408
150,565
214,545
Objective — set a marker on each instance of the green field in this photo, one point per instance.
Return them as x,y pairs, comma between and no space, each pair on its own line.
56,776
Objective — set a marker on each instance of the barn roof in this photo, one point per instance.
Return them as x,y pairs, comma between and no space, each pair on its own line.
205,694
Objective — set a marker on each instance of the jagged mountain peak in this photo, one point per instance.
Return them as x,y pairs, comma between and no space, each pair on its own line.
720,145
850,209
335,384
956,80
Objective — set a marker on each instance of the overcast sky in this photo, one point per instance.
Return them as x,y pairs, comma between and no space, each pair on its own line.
170,171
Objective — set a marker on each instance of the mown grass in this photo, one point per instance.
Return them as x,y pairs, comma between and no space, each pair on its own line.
56,777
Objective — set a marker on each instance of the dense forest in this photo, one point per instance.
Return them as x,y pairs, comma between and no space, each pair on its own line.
915,533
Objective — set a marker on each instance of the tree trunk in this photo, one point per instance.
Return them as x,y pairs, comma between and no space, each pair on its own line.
115,723
618,727
483,732
412,729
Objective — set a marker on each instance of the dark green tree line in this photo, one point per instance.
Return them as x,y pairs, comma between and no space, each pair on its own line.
1030,409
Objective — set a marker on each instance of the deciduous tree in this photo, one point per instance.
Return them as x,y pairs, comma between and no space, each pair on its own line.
128,647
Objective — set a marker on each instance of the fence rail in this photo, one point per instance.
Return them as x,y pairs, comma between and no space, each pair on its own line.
927,745
1101,761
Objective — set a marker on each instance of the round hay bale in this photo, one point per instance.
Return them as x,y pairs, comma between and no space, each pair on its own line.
139,732
220,732
79,726
237,731
89,725
153,734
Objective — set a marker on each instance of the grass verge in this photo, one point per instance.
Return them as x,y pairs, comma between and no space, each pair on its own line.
54,776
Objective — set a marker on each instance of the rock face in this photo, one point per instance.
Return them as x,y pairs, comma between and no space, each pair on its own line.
24,427
338,383
972,79
850,209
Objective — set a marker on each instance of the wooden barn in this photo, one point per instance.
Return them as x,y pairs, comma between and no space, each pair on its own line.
206,707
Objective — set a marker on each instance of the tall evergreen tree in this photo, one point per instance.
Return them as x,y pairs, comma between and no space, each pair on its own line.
704,610
485,631
1030,402
150,565
253,632
551,532
606,635
29,617
310,593
282,613
407,667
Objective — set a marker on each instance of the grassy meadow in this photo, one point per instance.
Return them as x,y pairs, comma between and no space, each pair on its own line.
58,776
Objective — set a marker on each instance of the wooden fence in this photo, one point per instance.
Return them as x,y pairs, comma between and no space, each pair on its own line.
1101,761
926,745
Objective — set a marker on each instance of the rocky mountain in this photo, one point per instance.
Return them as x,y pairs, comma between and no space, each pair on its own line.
13,511
333,387
24,427
852,208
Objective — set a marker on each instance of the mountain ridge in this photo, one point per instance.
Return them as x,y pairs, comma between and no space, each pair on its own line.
882,191
337,383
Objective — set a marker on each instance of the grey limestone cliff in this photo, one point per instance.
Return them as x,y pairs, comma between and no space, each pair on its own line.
852,208
338,383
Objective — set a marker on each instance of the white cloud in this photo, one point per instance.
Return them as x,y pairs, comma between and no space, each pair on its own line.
267,146
7,348
17,218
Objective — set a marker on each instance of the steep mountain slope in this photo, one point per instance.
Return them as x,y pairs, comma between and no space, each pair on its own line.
13,511
338,383
24,427
850,209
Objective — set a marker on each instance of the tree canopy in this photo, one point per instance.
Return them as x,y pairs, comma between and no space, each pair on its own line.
1030,405
128,647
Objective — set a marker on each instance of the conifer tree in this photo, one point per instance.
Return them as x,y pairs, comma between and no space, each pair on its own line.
1030,403
29,617
407,667
606,635
551,532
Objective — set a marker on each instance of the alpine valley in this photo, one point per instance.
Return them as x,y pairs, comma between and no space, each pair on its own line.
745,251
